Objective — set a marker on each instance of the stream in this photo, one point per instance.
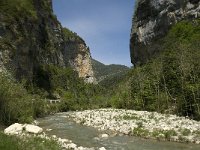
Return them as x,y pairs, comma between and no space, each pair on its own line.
90,137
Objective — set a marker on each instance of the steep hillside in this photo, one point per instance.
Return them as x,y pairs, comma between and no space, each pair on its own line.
40,60
32,39
167,34
152,20
170,82
103,72
77,54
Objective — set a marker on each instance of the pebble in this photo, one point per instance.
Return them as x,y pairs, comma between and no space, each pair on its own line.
104,135
102,148
125,121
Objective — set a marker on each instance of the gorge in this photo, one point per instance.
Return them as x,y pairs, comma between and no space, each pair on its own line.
100,106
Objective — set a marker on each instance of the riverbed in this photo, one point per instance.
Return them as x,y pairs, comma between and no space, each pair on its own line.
65,128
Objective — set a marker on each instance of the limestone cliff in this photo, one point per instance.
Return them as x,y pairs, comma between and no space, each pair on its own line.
152,20
31,37
78,55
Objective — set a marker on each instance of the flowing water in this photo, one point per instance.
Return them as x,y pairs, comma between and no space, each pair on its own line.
89,137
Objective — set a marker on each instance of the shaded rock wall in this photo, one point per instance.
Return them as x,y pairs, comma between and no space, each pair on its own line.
32,38
78,56
152,20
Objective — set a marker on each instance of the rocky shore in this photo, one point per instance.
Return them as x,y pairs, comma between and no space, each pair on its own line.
140,123
26,131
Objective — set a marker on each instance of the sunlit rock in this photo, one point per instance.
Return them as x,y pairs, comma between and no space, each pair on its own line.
14,129
33,129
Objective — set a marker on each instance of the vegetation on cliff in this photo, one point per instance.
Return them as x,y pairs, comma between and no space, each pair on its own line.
169,83
107,72
69,35
17,8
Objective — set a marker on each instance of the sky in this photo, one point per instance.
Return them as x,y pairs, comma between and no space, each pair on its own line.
105,25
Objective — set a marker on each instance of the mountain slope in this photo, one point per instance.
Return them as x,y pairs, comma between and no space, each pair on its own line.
167,80
103,72
32,38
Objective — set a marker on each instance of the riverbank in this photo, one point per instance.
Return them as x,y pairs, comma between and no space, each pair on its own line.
29,135
144,124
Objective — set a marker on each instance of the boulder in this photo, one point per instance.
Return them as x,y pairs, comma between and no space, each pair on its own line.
102,148
71,146
33,129
14,129
104,135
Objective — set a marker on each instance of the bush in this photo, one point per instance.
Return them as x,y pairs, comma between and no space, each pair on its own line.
169,133
16,105
139,131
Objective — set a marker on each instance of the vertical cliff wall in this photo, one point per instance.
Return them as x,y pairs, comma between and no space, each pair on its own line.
152,20
31,37
77,55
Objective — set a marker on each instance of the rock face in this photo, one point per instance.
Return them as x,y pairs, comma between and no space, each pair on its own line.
33,38
78,56
152,20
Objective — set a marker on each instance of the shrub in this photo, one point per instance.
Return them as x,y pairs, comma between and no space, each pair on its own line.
140,132
185,132
15,143
16,104
169,133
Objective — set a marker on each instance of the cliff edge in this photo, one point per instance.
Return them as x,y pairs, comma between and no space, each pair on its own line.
31,37
152,20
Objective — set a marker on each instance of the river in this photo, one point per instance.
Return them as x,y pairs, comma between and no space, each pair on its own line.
90,137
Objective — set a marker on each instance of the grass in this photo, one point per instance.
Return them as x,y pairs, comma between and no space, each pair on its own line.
139,131
185,132
130,117
34,143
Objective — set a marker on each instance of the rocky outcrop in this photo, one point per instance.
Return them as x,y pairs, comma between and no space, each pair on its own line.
152,20
32,37
77,54
29,41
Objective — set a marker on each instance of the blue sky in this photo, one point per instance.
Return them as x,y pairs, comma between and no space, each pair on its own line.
105,25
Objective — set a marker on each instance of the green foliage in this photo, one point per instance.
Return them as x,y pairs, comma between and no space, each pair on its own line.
185,132
169,133
169,83
16,105
71,36
12,97
30,143
108,74
139,131
17,8
74,92
130,117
